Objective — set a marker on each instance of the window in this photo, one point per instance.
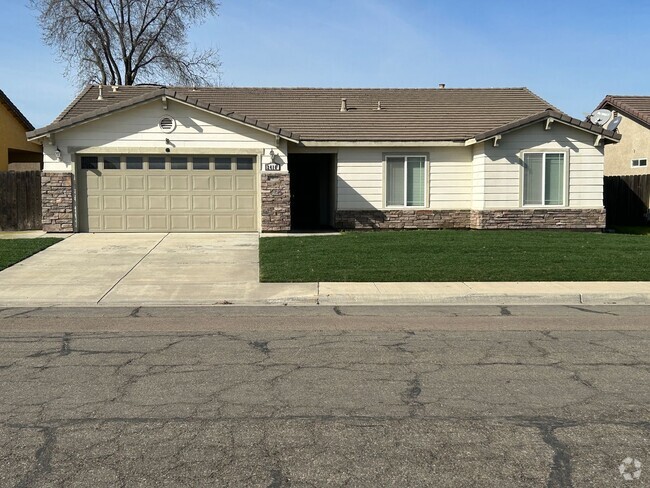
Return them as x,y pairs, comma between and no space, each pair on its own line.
179,163
244,164
639,163
222,163
133,162
544,179
89,162
405,181
156,162
111,162
200,163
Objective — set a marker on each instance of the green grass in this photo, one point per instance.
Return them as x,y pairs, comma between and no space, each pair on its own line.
15,250
448,255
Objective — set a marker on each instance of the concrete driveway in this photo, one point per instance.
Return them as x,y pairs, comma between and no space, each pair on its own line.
142,269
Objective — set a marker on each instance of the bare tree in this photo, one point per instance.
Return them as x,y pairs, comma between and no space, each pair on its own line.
122,42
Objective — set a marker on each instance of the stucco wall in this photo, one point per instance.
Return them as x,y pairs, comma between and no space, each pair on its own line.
634,144
12,136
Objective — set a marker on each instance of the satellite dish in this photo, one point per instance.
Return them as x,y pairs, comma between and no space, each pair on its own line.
614,123
599,117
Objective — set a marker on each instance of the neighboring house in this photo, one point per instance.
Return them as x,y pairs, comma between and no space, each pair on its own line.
154,159
632,155
16,152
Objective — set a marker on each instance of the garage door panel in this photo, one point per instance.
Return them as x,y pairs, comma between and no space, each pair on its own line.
201,202
223,183
93,181
136,223
112,182
178,182
223,202
135,182
158,202
113,202
202,182
168,200
157,182
180,202
224,222
180,222
94,202
94,223
245,182
202,222
244,222
135,202
114,223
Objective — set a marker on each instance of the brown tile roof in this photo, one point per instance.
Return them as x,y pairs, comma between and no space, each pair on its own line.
4,99
313,114
635,106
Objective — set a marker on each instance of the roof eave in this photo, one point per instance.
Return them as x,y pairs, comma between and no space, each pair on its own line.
542,116
625,109
148,97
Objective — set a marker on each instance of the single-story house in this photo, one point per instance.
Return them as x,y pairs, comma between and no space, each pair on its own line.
16,152
632,154
157,159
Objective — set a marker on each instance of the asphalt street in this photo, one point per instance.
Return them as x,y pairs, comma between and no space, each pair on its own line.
325,396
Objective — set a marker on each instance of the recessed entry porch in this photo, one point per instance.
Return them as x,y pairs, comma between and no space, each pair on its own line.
313,191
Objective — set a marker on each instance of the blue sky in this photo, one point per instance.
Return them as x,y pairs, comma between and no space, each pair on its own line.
570,52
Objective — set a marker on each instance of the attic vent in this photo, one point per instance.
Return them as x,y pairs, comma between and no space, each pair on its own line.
167,124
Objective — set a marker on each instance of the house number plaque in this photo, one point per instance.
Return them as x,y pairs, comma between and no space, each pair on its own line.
272,167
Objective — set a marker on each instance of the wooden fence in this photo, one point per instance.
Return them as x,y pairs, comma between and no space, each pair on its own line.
20,200
626,199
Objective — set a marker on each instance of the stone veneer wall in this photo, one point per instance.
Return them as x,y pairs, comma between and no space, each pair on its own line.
560,218
402,219
276,202
587,219
57,202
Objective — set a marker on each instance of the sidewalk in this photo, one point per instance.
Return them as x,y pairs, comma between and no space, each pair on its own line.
487,293
374,293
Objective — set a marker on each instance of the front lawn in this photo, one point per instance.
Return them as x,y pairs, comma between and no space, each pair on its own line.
456,255
15,250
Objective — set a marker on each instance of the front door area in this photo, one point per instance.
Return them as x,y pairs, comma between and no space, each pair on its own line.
313,186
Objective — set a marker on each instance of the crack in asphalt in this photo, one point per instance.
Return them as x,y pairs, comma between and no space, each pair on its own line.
320,377
581,309
42,459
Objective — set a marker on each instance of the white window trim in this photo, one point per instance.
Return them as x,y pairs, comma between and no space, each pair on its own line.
544,151
639,165
385,179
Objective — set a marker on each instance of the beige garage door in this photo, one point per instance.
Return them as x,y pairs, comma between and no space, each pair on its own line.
167,194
